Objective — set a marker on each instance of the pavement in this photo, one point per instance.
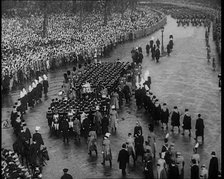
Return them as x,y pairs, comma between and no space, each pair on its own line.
184,79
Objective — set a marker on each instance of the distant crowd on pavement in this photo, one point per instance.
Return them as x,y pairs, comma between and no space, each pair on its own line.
25,54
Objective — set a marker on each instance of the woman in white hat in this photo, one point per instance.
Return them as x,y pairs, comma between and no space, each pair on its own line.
106,150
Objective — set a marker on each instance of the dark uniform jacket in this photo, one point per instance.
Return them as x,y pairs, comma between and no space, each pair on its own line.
123,158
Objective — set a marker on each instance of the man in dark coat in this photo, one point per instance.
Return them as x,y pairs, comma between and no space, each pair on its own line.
157,55
199,126
187,122
13,116
140,58
153,51
65,130
158,43
173,171
66,175
38,138
34,149
147,49
139,145
105,123
213,167
168,49
194,170
175,119
123,159
164,115
127,93
27,133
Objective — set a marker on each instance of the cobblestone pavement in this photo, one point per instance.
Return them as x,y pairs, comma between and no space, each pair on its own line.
183,79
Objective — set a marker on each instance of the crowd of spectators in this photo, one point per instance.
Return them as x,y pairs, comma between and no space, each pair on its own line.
11,166
25,52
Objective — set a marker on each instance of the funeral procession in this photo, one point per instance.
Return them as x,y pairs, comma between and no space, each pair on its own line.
111,89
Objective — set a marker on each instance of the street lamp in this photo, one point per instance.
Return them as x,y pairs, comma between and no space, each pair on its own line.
162,47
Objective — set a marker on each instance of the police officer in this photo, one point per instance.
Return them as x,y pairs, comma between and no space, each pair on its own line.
66,175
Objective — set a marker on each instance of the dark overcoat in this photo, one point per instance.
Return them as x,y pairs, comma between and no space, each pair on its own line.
45,86
123,158
187,122
199,126
213,168
165,116
175,119
195,172
38,138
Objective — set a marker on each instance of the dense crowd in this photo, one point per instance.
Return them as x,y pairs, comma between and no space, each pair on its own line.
25,53
11,166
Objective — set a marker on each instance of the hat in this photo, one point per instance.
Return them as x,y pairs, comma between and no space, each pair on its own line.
107,134
65,170
213,153
197,145
167,135
113,107
37,128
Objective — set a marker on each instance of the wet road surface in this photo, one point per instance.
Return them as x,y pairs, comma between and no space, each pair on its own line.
183,79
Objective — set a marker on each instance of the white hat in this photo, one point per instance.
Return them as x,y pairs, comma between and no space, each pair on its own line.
40,79
30,88
167,135
36,82
45,77
24,91
34,85
107,134
113,107
21,95
197,145
37,128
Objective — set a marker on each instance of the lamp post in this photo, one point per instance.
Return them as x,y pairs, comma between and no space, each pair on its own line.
162,47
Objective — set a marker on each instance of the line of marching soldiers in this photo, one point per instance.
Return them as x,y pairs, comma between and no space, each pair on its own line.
194,20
